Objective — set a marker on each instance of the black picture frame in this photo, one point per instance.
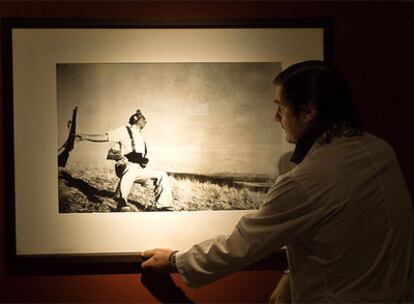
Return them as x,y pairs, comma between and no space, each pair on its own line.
112,262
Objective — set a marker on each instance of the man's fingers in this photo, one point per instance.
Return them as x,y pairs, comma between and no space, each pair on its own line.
146,264
156,259
147,253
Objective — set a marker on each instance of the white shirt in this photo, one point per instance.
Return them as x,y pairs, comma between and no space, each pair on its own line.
346,217
121,136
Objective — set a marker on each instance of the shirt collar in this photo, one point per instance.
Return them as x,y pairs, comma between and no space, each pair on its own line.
304,145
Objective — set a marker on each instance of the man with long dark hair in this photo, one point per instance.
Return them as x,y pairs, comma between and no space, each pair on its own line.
344,212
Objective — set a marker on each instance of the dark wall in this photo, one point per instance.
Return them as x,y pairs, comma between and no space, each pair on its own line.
373,46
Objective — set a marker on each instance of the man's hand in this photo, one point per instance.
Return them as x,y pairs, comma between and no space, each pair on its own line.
78,138
156,259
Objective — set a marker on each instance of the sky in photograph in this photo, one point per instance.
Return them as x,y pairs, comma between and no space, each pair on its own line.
201,117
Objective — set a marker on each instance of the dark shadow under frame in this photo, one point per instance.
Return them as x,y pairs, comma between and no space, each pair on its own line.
106,263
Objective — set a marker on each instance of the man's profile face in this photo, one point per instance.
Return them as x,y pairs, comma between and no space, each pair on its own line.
293,124
141,122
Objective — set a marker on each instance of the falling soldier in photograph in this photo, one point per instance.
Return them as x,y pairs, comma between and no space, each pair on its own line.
130,156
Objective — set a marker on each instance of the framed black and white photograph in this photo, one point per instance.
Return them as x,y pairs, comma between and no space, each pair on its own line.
124,136
207,126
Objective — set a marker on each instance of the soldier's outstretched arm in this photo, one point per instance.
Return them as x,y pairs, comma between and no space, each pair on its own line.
98,138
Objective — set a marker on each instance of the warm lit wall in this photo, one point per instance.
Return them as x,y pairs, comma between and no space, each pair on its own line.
373,47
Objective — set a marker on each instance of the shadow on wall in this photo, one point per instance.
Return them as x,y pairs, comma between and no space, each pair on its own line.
163,288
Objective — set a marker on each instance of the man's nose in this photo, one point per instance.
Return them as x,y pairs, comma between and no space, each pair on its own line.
277,115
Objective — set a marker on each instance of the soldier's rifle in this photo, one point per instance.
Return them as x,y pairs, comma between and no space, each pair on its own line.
63,152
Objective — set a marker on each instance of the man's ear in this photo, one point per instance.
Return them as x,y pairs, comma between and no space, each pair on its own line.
309,112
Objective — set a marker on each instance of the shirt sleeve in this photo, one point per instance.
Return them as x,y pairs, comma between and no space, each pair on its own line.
284,216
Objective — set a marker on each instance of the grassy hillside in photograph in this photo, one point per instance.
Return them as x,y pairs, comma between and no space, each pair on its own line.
86,189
